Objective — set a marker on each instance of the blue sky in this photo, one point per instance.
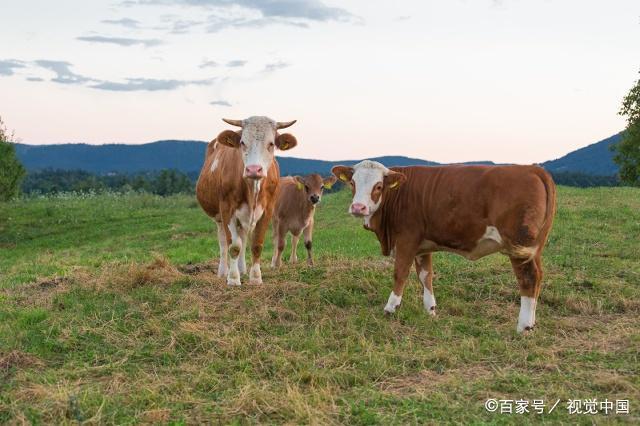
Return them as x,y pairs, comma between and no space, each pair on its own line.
457,80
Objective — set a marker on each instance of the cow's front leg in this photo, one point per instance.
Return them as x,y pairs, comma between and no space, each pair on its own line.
308,244
255,274
424,269
402,266
242,262
234,242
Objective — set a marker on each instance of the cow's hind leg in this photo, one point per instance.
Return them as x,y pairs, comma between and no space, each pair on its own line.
424,269
529,275
224,252
294,247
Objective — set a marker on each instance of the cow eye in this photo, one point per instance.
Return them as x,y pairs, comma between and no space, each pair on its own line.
306,188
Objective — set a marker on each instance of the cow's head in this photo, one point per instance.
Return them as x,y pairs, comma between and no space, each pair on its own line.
369,182
257,141
313,185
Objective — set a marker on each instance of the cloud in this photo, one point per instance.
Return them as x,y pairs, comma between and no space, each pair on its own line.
125,22
121,41
274,66
64,75
208,64
216,23
220,103
8,66
236,63
148,84
314,10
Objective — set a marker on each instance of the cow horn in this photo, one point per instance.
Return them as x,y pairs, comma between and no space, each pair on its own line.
285,124
233,122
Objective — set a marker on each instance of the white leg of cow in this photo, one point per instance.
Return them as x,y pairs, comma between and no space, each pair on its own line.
400,273
233,274
393,302
294,248
424,269
255,275
224,253
529,274
527,317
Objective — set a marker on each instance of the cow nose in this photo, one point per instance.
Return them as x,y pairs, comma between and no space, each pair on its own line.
254,172
358,209
314,198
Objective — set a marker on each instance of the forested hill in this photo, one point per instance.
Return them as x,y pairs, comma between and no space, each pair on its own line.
187,156
595,159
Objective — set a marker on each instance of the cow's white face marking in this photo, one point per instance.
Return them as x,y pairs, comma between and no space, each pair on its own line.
527,318
393,302
366,175
257,143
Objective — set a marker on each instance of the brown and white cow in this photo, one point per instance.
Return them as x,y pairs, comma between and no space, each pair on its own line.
237,188
473,211
295,208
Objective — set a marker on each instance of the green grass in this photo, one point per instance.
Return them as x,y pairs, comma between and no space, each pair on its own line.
110,312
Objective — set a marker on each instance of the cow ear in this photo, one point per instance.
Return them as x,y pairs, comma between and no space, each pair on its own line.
344,173
299,183
229,138
286,141
393,179
329,181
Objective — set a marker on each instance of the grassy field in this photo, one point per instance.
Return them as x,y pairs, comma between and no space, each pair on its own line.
110,312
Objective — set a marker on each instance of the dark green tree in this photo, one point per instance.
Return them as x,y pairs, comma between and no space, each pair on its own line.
11,170
628,149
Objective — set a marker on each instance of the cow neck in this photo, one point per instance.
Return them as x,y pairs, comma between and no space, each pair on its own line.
383,222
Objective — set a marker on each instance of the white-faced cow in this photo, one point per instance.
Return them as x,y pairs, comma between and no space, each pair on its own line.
295,208
237,188
473,211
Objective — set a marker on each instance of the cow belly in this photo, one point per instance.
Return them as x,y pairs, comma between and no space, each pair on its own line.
491,242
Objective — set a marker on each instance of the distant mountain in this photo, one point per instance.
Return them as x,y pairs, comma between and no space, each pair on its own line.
595,159
187,157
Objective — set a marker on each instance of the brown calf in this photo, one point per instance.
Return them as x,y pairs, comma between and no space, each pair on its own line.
237,188
295,208
473,211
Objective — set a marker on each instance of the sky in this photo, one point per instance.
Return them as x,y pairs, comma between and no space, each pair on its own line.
519,81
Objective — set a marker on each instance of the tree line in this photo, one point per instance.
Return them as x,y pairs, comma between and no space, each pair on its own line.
164,182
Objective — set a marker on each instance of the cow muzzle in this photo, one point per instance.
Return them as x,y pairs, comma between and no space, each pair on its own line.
359,210
314,199
254,172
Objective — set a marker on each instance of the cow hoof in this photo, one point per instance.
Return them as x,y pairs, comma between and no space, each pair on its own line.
233,282
255,281
432,311
390,310
524,329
